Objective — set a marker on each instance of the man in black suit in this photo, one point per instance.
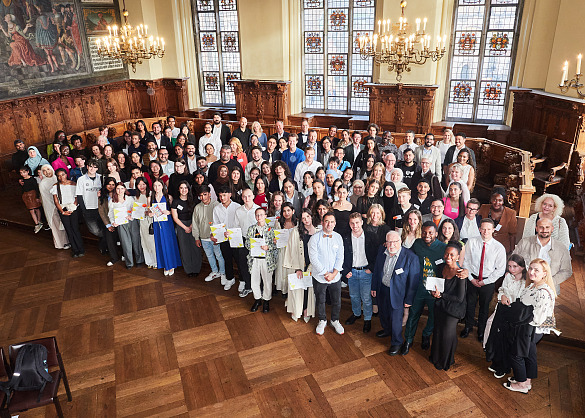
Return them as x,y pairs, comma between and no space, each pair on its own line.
394,283
453,151
353,149
468,224
161,140
220,130
243,133
280,132
304,134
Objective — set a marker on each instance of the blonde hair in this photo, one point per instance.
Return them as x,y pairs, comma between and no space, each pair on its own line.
236,141
452,136
256,123
559,204
382,167
406,226
380,208
404,190
547,275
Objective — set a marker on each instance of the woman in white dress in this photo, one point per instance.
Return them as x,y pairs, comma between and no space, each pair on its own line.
57,229
288,220
549,206
467,168
146,238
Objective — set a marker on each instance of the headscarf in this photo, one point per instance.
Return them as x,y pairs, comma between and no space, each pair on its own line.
389,203
48,182
33,163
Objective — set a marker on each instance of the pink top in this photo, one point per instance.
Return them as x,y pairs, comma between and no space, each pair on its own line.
450,211
58,163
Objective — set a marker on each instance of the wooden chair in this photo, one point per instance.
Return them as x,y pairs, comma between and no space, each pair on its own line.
22,401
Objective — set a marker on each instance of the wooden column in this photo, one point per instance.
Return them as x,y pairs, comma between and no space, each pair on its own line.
400,107
262,100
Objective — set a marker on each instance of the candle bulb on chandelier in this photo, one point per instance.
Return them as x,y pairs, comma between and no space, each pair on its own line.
424,24
565,69
110,30
417,25
379,24
579,57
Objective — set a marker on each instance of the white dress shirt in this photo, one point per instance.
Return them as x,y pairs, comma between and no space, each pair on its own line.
221,214
245,218
302,168
544,249
469,229
494,263
358,245
326,255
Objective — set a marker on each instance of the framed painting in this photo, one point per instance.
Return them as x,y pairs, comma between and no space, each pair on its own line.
97,19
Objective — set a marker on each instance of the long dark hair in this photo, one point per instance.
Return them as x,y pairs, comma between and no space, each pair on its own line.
141,180
461,201
104,193
455,238
293,219
262,179
190,199
302,230
313,197
518,259
282,164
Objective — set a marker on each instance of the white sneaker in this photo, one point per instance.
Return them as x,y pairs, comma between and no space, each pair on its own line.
210,277
166,272
38,227
321,327
245,293
171,272
343,285
109,264
337,326
229,284
123,258
306,319
241,286
224,279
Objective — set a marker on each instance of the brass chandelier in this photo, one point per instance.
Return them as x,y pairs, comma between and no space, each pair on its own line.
130,44
393,45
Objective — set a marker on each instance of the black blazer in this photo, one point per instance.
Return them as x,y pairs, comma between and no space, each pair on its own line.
276,155
225,134
164,143
302,139
371,252
349,156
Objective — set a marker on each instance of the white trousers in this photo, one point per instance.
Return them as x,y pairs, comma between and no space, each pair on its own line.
260,273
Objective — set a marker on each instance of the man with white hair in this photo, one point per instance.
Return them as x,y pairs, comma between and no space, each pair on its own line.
394,284
390,162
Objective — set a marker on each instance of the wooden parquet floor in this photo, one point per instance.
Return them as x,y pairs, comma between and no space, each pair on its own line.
136,343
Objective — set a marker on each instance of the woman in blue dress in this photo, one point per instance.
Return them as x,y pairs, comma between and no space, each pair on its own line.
165,239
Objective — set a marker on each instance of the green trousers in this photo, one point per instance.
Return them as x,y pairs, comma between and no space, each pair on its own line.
421,298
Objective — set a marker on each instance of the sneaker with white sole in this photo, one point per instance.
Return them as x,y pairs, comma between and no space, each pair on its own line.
229,284
337,327
343,285
321,327
241,287
109,264
224,279
245,293
210,277
38,227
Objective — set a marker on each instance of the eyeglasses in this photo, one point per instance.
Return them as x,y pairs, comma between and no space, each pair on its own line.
436,206
472,209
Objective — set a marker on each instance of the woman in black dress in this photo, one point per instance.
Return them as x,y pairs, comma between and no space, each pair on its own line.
182,212
449,308
342,208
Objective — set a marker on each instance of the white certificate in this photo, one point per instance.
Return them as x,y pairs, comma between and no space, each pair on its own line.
295,283
218,232
281,237
120,216
158,210
235,237
437,282
255,247
271,221
138,210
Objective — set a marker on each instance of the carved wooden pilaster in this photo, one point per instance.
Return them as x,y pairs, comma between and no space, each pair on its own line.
264,101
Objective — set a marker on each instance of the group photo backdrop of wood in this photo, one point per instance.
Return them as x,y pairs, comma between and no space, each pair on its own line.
50,45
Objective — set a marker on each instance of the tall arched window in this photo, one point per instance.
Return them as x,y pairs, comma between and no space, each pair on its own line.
482,59
334,72
218,43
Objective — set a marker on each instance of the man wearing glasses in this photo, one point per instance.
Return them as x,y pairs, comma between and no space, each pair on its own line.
394,283
468,224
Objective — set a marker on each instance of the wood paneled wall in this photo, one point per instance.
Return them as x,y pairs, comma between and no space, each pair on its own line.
35,119
264,101
399,107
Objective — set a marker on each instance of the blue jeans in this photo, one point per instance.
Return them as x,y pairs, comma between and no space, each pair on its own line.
213,252
360,285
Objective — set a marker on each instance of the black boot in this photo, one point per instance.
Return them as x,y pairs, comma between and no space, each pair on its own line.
266,307
256,305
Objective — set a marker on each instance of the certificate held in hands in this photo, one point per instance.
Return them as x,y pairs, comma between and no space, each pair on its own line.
218,232
235,237
437,282
256,245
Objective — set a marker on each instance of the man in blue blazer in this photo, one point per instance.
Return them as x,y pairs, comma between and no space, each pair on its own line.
394,283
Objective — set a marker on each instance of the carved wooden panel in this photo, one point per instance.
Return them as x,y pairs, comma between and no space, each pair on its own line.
27,119
9,131
398,107
264,101
51,113
72,107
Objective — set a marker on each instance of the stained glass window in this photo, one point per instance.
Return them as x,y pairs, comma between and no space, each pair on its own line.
334,72
482,58
218,42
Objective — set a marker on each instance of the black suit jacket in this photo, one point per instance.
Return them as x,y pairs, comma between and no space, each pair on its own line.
349,156
276,155
371,252
165,143
285,134
225,134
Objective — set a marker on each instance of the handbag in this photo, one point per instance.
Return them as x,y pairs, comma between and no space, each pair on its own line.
151,229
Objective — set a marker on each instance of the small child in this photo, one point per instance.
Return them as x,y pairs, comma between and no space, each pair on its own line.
79,169
31,196
261,267
334,166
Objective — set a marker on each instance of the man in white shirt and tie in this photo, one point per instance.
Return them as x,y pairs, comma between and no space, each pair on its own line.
485,259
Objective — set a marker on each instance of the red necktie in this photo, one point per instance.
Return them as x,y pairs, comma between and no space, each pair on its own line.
480,275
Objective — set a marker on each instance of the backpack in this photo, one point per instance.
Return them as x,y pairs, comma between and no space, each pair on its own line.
30,371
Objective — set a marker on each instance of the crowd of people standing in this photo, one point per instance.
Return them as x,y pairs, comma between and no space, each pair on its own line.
305,217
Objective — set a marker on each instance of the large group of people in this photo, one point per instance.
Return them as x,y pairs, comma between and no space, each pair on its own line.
304,218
